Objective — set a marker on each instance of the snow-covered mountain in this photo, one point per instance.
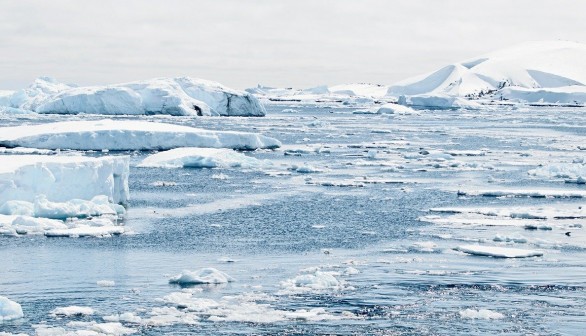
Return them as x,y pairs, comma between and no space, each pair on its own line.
174,96
547,72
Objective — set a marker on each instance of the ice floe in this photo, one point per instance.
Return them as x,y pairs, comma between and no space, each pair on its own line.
201,276
72,311
61,179
202,158
313,281
498,252
541,72
9,310
174,96
187,308
127,135
91,328
480,314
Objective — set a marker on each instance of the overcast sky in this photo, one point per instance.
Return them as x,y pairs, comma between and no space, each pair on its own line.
299,43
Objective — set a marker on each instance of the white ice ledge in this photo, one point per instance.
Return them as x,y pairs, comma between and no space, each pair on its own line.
127,135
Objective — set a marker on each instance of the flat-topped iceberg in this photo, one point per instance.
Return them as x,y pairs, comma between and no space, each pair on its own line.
173,96
61,179
127,135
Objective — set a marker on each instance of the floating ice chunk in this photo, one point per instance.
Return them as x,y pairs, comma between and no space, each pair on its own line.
306,169
165,316
106,283
426,246
174,96
127,135
9,310
481,314
87,231
351,271
534,193
111,328
575,172
318,281
124,317
97,206
201,276
60,179
72,311
498,252
202,158
392,108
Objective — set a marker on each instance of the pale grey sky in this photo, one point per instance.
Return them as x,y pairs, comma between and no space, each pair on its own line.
299,43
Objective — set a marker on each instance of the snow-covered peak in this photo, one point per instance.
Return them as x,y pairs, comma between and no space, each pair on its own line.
543,64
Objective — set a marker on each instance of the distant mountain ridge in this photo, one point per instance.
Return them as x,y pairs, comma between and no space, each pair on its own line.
528,67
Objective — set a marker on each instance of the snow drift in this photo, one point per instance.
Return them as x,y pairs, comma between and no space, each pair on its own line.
545,72
173,96
127,135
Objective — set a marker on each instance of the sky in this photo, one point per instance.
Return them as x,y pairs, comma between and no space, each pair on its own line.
283,43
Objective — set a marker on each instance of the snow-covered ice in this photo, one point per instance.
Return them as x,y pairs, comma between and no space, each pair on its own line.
62,179
202,158
127,135
480,314
498,252
202,276
174,96
9,310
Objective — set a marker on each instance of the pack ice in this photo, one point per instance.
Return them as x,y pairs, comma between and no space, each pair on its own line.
127,135
173,96
543,72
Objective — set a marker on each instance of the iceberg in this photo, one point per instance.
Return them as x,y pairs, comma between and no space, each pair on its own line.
123,135
172,96
61,179
9,310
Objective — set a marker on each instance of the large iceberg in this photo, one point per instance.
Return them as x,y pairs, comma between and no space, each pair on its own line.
173,96
127,135
61,179
534,72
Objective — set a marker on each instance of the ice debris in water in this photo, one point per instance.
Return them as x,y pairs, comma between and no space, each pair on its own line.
9,310
72,311
202,158
481,314
201,276
498,252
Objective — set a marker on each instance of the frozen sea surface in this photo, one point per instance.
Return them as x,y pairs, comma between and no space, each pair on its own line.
353,229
